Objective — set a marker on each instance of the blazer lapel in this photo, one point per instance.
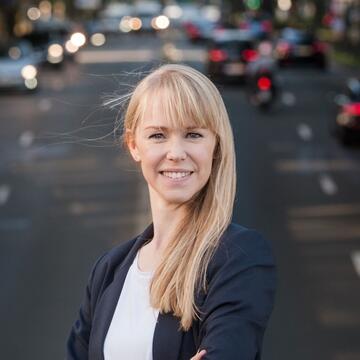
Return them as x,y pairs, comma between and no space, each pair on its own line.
167,338
110,297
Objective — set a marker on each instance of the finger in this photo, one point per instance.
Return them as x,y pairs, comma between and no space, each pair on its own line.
199,355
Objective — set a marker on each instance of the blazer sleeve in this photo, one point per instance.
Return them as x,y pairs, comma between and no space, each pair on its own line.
78,340
237,306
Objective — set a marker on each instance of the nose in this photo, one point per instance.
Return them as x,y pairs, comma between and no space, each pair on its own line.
176,151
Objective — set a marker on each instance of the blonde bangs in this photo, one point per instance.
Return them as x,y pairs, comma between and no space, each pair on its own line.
182,102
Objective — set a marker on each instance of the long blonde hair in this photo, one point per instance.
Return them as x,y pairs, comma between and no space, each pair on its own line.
187,94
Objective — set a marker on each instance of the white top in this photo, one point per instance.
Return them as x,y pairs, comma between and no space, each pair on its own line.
130,335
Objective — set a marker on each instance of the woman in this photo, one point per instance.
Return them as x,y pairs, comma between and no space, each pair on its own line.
192,285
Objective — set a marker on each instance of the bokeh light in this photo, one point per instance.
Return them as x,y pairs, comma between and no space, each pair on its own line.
98,39
33,13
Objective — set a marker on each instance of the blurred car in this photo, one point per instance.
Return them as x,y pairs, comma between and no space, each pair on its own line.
109,21
145,14
258,23
347,121
199,29
55,40
299,47
18,66
229,53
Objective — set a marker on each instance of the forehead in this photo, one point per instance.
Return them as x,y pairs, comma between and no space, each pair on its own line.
161,113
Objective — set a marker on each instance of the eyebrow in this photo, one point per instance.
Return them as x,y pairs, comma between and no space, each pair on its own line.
166,128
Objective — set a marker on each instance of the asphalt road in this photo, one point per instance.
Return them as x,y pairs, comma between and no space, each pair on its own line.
69,192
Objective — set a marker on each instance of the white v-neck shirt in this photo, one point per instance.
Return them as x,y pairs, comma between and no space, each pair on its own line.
131,332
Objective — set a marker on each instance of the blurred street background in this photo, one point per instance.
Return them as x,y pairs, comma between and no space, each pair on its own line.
289,74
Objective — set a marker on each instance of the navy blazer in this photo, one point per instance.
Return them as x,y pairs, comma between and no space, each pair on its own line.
235,310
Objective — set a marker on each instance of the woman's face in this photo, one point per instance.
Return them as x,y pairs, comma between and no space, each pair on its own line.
176,162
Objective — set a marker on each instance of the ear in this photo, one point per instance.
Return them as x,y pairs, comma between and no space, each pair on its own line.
131,144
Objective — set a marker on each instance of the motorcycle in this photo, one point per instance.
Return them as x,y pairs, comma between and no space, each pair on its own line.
262,90
260,78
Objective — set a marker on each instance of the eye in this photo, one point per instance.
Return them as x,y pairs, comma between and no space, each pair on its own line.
194,135
157,136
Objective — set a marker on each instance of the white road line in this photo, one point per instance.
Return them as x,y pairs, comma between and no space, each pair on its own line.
5,191
45,105
304,131
328,185
312,165
355,257
115,56
288,98
26,138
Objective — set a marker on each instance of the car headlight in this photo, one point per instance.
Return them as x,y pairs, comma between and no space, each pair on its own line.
55,53
55,50
29,72
71,47
78,39
161,22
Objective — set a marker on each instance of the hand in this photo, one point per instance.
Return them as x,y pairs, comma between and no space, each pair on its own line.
199,355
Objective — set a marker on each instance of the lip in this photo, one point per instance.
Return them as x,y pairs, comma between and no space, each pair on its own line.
177,180
176,170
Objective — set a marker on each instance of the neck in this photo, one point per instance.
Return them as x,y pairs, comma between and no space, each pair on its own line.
166,218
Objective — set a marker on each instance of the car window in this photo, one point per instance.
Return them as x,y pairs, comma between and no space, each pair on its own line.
235,45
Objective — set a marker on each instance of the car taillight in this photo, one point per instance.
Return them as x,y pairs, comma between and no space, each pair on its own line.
264,83
244,25
250,55
192,30
217,55
320,47
352,109
266,26
283,48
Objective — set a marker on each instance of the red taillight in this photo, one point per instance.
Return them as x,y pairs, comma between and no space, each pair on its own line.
250,55
264,83
283,48
266,26
192,30
217,55
244,25
352,109
320,47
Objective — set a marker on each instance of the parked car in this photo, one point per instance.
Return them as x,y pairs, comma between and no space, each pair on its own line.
18,66
199,30
55,40
258,23
347,122
229,52
299,47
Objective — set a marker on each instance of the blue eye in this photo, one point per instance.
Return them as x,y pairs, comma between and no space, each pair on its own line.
156,136
194,135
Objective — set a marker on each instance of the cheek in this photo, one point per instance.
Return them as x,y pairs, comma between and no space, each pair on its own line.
150,157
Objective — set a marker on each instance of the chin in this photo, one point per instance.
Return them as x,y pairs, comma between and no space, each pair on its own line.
177,199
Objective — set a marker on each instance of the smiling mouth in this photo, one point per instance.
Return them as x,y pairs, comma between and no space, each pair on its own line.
176,175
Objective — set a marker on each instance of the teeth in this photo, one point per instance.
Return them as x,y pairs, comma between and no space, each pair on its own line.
176,175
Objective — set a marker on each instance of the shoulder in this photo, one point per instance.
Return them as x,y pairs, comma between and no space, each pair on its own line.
242,247
105,266
113,257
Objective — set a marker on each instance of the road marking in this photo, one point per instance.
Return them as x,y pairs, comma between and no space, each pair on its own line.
319,211
26,138
328,185
355,257
308,165
288,98
45,105
5,191
115,56
304,131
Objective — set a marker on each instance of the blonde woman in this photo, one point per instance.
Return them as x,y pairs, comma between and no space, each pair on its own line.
193,285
